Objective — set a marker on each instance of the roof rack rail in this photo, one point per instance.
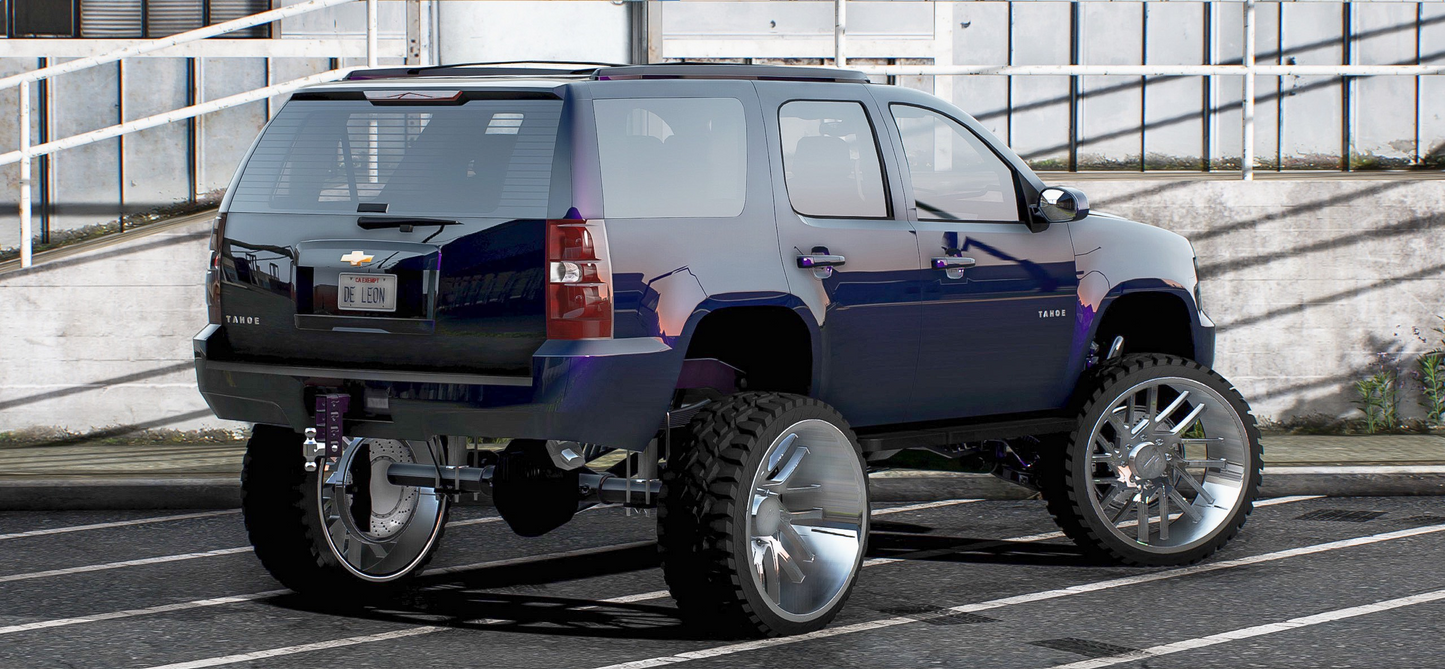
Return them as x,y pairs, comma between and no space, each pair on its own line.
614,71
483,68
728,71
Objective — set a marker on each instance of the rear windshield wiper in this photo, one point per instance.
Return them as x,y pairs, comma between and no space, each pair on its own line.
406,223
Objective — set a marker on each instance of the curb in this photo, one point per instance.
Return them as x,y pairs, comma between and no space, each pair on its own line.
39,494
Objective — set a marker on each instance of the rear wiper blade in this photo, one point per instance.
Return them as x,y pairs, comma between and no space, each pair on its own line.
406,223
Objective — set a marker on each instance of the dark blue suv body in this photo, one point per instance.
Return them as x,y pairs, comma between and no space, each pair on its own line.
747,281
811,167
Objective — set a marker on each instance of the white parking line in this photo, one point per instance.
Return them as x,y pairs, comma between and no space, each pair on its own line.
920,507
120,523
625,599
731,649
131,613
1257,630
303,648
127,563
538,558
473,521
350,641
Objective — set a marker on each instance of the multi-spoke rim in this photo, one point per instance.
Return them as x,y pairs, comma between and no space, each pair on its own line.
1169,461
807,520
378,531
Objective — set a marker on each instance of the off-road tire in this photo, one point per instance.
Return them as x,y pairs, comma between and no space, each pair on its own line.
279,506
702,535
1065,471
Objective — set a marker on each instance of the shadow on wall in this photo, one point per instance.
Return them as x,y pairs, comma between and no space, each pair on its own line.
1321,414
1043,158
1320,388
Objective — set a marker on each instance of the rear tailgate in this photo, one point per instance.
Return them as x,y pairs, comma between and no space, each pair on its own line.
393,236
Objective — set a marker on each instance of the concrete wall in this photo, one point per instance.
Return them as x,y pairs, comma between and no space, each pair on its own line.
471,32
1309,280
102,339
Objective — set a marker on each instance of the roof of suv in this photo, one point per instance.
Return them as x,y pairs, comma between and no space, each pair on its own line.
548,70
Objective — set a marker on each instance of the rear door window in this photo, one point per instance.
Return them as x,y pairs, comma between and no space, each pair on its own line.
830,160
671,158
484,158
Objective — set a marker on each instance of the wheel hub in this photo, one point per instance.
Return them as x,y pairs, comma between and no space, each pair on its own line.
769,517
1148,460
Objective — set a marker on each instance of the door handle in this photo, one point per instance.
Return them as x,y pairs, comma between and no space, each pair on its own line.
953,266
822,264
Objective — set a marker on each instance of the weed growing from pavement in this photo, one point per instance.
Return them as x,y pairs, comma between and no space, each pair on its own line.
1431,375
1379,399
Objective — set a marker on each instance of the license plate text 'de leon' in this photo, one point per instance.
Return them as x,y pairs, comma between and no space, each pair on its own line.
366,292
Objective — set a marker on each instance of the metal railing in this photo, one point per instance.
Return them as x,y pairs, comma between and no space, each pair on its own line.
1249,70
27,153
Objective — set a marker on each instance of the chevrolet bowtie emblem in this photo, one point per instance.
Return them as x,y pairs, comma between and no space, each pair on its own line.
356,258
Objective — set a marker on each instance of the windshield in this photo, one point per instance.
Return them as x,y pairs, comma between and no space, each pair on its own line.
485,158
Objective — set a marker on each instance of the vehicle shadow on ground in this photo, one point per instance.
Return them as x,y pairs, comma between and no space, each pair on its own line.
517,597
906,541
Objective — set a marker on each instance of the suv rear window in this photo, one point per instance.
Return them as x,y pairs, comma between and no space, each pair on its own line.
487,158
674,157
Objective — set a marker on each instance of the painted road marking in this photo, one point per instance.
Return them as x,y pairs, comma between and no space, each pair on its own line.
121,523
920,507
625,599
119,565
1257,630
132,613
731,649
879,624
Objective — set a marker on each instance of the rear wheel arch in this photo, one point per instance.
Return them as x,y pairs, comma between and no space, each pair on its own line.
773,345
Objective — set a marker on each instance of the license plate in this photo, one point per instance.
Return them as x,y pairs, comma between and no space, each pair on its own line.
366,292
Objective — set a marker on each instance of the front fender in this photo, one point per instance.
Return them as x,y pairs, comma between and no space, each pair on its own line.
1115,256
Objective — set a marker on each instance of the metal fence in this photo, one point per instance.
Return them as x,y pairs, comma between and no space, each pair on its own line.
865,50
27,153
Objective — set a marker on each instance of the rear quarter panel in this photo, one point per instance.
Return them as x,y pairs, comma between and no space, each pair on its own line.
669,272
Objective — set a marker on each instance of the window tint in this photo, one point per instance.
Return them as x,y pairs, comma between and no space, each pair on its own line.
488,158
955,175
672,158
830,160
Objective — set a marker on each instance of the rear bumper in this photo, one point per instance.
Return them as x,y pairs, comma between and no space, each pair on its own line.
611,392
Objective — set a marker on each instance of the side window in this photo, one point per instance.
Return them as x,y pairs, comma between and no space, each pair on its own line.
955,176
669,158
830,160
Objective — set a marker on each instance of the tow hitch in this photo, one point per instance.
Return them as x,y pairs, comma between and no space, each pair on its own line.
330,410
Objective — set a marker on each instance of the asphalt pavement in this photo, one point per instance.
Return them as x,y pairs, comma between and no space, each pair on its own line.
1311,582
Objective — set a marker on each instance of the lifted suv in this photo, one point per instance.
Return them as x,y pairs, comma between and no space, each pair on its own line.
751,281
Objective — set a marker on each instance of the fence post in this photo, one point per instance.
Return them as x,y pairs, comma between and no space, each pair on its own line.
840,33
25,251
371,33
1246,161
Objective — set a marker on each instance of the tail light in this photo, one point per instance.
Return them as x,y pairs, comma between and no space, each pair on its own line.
579,280
213,272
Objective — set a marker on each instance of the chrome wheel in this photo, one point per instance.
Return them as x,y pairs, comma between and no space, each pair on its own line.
1169,458
807,520
376,530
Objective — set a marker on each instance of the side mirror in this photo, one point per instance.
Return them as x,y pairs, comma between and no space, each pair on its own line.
1058,204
